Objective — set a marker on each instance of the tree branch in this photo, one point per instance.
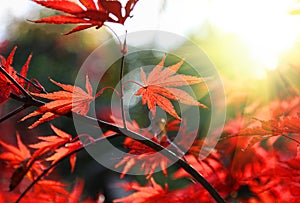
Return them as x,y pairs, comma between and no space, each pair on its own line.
13,112
8,76
121,83
33,84
122,131
99,140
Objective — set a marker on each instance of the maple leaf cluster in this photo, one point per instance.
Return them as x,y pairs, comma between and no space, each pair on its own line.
247,164
28,165
256,160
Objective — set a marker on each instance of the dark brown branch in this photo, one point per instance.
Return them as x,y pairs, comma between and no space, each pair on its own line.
32,83
125,132
25,93
13,112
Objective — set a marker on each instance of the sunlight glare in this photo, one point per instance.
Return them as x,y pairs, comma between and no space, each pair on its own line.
263,25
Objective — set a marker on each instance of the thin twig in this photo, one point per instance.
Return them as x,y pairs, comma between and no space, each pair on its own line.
38,178
290,138
121,82
13,112
32,83
25,93
122,131
114,33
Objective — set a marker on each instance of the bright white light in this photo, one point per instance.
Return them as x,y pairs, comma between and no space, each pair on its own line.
12,9
177,16
263,25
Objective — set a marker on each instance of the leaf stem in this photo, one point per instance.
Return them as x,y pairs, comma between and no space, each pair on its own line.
105,88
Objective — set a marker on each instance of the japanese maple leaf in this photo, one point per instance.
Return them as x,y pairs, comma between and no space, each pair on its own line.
148,193
20,159
139,153
15,155
55,143
286,126
59,145
71,98
144,155
6,85
160,88
156,193
47,190
87,13
64,151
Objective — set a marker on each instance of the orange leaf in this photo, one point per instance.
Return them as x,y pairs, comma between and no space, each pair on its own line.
159,88
93,13
71,98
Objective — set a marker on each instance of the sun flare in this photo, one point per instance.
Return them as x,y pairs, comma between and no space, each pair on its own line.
264,26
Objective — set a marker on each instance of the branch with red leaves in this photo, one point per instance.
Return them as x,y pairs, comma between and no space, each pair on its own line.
67,108
158,89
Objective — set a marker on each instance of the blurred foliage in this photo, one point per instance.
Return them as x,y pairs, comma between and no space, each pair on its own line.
244,91
58,57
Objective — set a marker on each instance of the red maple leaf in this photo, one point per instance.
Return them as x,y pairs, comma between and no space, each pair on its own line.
88,13
52,142
15,155
141,154
144,155
20,159
277,181
287,126
6,85
61,143
148,193
46,190
65,151
159,88
58,146
72,98
156,193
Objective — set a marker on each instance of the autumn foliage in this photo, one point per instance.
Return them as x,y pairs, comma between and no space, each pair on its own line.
256,159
